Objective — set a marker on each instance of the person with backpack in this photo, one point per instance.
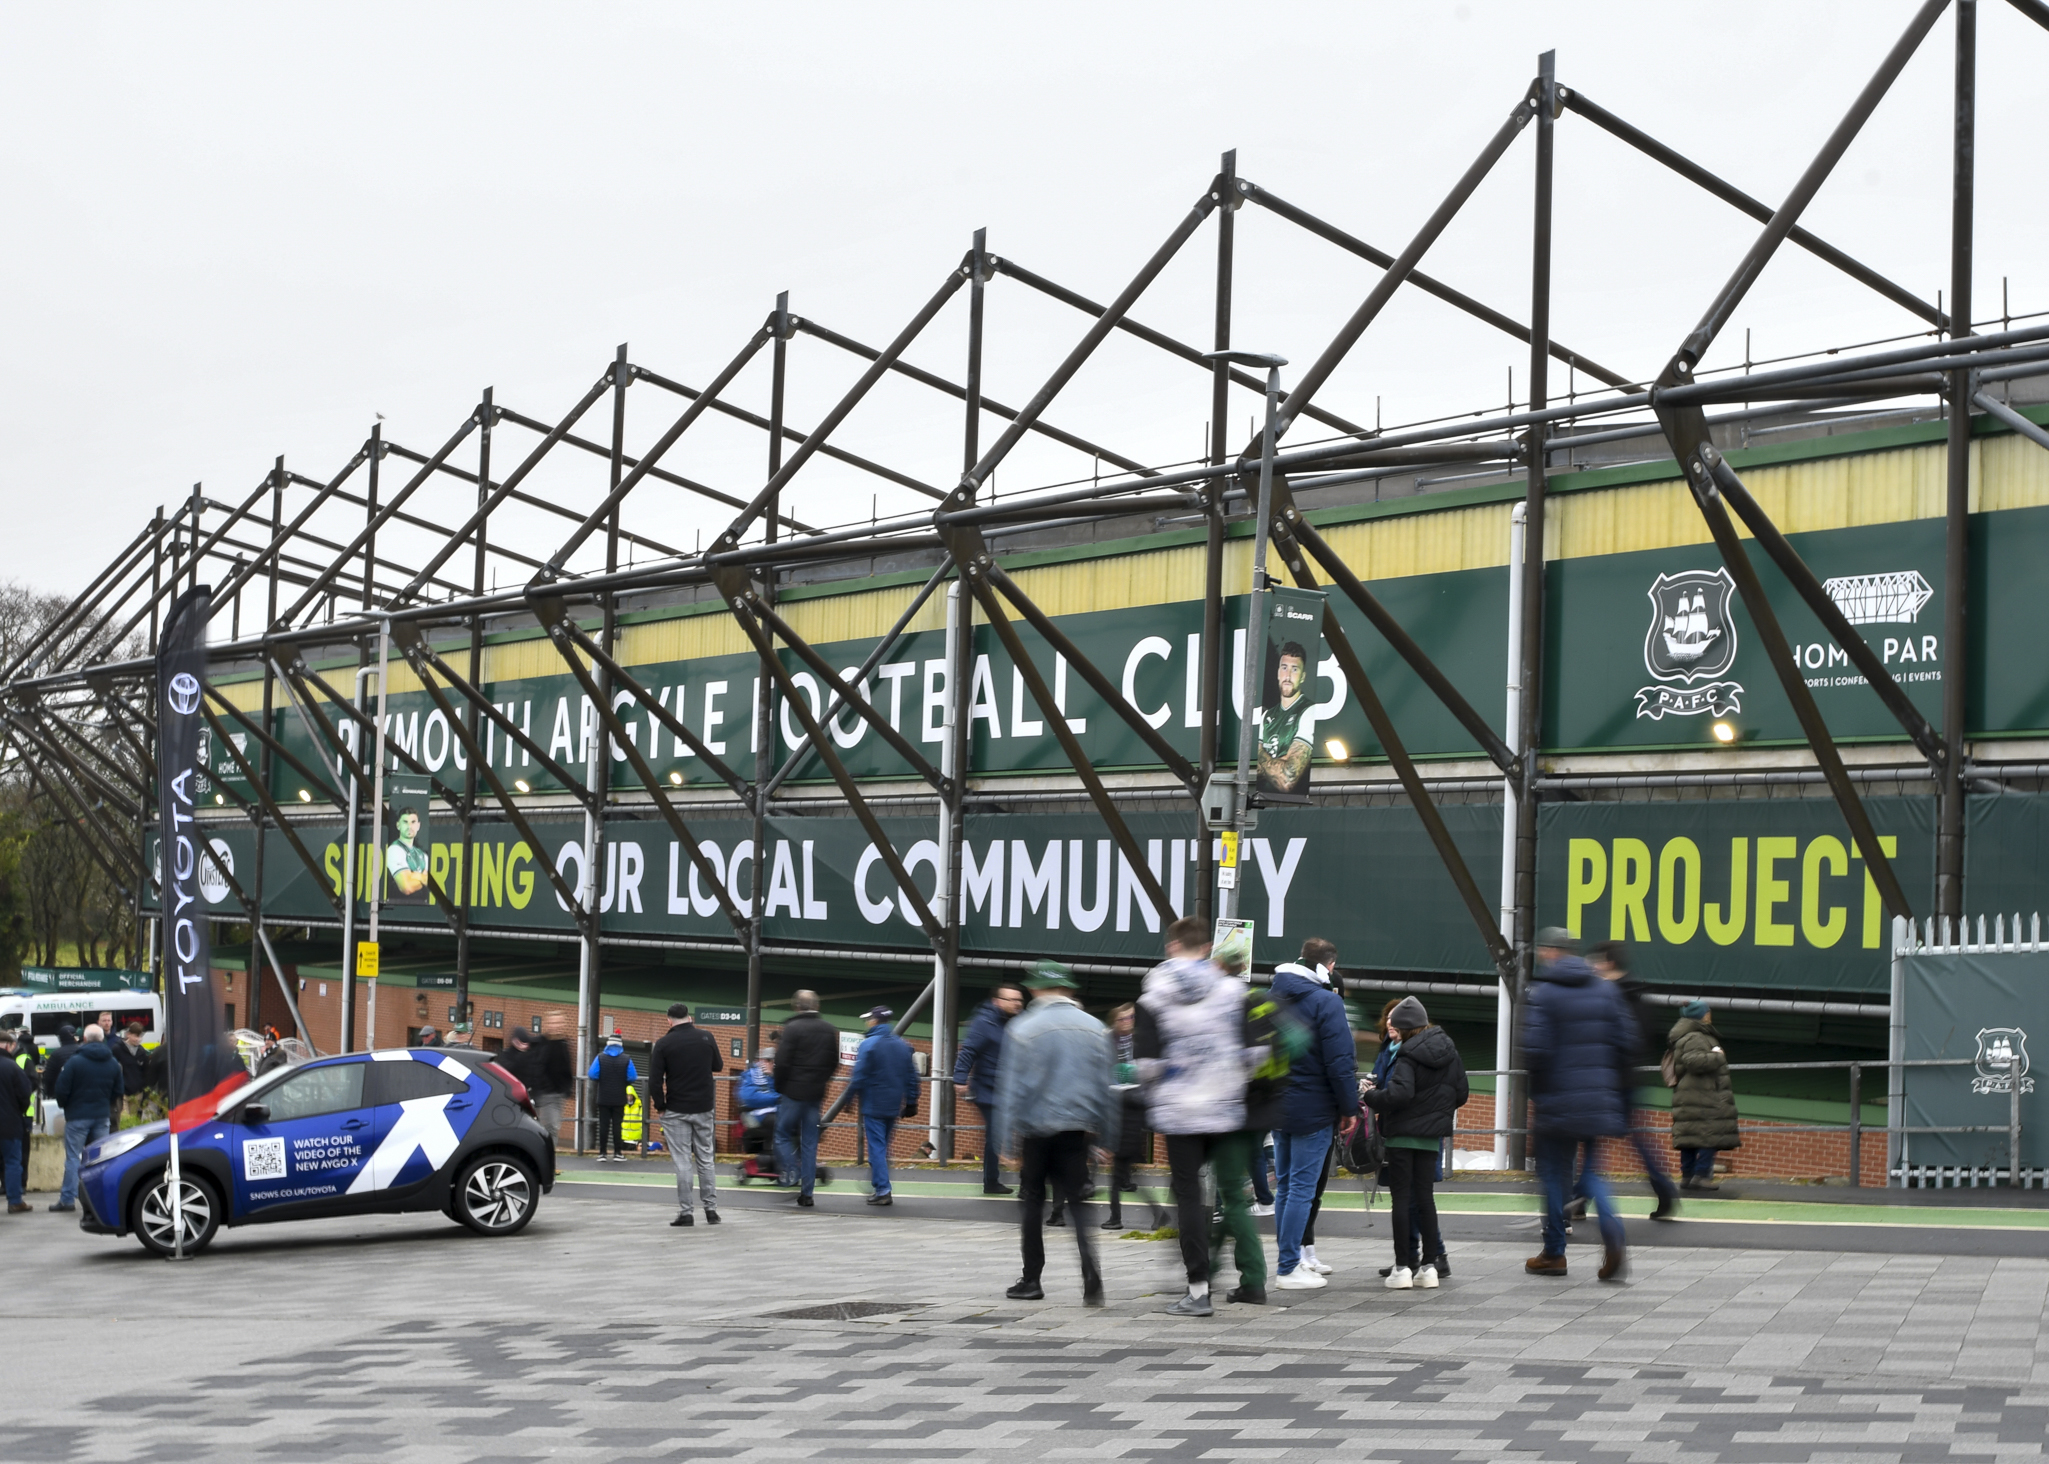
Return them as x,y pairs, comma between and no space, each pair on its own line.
1418,1107
1322,1092
614,1073
1703,1103
1188,1044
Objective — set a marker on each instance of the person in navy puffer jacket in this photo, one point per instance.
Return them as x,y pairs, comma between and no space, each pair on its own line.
1322,1092
1579,1039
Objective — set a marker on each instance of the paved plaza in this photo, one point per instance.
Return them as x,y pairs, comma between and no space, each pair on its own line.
603,1334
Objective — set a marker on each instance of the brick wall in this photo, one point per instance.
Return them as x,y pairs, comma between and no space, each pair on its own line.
1770,1150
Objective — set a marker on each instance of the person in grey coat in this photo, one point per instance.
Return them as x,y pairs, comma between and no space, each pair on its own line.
1055,1092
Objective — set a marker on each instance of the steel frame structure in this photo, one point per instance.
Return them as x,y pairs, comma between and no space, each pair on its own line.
75,707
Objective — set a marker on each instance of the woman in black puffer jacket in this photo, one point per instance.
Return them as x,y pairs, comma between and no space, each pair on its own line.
1417,1106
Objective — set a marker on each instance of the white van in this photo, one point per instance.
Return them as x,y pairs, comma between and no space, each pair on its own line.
43,1012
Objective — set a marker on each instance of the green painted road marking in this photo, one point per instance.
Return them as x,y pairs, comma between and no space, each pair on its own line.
1716,1211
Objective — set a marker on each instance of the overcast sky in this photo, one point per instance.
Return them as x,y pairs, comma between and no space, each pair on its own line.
239,231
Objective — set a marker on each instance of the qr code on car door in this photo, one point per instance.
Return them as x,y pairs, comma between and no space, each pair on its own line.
263,1158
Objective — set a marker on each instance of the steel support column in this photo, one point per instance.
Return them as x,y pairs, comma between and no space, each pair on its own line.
1956,550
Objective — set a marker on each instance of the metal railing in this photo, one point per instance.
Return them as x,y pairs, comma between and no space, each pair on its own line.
1854,1130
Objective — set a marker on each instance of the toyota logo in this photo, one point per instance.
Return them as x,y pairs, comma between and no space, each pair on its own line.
184,693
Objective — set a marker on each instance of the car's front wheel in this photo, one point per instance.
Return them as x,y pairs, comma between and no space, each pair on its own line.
496,1194
156,1221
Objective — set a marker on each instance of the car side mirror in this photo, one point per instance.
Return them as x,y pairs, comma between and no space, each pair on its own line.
256,1113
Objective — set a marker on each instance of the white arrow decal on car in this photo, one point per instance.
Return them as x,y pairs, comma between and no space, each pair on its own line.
422,1124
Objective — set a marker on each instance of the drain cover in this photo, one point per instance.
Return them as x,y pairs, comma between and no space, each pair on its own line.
846,1311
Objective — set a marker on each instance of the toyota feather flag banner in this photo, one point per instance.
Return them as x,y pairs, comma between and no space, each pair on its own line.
203,1065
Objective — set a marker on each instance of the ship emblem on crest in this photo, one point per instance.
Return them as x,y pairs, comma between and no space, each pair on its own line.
1691,639
2002,1061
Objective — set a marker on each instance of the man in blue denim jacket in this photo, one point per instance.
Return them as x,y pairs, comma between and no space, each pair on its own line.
1055,1091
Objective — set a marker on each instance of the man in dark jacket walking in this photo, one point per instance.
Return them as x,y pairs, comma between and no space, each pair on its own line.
14,1100
1322,1092
680,1089
975,1068
885,1083
555,1075
1610,960
807,1054
1579,1040
89,1090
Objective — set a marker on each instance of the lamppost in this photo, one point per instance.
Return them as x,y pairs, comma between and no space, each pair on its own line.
1241,818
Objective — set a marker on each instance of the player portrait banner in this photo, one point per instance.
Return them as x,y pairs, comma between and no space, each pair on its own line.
202,1065
1289,700
407,842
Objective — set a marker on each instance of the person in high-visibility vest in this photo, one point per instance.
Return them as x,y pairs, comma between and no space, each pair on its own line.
630,1128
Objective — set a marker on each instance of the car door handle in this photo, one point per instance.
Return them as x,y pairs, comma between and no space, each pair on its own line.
355,1123
459,1103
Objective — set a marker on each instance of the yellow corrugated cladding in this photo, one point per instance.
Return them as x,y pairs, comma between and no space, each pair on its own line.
2007,471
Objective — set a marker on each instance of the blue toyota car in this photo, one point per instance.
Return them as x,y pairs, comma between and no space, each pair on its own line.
403,1130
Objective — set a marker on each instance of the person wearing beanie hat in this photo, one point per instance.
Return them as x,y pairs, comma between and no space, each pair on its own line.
1579,1046
613,1071
1418,1106
1703,1103
680,1090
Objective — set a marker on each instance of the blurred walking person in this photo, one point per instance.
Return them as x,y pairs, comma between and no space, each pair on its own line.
1055,1090
1322,1093
682,1090
976,1070
1188,1042
554,1076
1610,960
1703,1103
807,1056
1134,1139
1578,1044
1418,1107
885,1082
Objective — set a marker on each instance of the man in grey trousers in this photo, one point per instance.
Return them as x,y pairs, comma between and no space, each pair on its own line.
681,1090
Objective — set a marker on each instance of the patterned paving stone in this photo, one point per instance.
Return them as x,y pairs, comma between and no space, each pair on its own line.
600,1334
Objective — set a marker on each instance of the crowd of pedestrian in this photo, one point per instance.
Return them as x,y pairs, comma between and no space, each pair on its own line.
1221,1068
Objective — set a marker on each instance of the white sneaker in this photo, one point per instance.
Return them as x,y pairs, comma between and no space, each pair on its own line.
1262,1209
1426,1279
1301,1279
1401,1278
1311,1263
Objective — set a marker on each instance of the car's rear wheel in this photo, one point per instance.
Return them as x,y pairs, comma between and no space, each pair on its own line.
496,1194
156,1221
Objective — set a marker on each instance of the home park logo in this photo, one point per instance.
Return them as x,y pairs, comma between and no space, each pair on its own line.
213,878
184,693
2002,1061
1691,638
1894,598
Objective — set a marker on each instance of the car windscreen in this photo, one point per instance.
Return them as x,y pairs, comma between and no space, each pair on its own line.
310,1091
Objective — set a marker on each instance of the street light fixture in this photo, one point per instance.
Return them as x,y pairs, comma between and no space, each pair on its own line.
1227,876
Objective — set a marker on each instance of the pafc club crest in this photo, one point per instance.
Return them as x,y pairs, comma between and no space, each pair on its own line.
2002,1061
1691,639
